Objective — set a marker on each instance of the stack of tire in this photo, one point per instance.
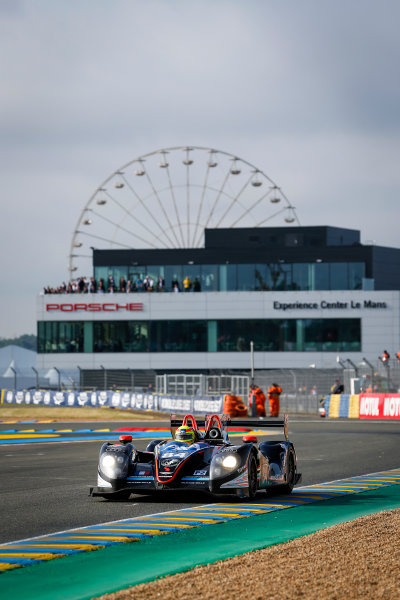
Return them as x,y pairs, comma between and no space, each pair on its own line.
234,407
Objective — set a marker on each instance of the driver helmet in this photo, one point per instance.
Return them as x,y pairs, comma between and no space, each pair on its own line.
185,434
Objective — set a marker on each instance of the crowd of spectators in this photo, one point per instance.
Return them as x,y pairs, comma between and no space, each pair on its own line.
86,285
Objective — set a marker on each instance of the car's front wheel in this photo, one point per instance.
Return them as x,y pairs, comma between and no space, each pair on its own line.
252,475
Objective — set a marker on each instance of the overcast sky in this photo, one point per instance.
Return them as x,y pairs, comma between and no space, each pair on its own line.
308,91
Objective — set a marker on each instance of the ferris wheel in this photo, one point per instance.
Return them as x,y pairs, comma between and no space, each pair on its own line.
167,198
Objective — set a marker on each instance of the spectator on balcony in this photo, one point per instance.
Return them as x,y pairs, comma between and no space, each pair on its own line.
81,285
187,284
146,283
92,286
196,285
101,289
139,284
122,285
111,284
160,284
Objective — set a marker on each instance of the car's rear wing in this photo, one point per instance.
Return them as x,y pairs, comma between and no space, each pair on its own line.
226,420
260,424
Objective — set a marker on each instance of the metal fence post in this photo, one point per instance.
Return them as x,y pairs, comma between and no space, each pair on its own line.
37,377
15,377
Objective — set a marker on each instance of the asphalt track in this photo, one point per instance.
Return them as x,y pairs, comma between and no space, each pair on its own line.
45,484
324,448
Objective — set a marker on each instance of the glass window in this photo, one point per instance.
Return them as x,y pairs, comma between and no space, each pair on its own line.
279,276
261,277
123,336
120,275
136,276
227,278
234,335
193,273
226,335
245,277
301,276
320,276
331,335
209,278
173,273
101,273
178,336
212,334
356,275
338,276
154,272
54,336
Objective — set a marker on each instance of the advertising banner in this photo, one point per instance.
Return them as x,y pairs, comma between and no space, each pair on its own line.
379,406
121,400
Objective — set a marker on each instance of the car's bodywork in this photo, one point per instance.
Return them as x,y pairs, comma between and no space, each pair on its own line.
213,463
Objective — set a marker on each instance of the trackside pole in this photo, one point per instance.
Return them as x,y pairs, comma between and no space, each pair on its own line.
253,408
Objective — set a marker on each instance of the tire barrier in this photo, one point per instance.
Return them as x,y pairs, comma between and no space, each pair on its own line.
122,400
363,406
234,407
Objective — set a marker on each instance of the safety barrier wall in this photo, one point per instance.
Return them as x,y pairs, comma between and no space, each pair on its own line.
363,406
122,400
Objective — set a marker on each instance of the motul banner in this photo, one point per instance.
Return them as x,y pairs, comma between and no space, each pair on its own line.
379,406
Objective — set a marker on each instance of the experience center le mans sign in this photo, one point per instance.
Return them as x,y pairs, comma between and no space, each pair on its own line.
352,304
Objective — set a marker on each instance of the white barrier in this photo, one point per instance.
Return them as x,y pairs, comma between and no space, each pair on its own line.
120,400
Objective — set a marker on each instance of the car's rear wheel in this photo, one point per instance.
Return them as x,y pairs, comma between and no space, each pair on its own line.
252,475
291,476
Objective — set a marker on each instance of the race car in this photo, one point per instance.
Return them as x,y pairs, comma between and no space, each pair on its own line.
211,463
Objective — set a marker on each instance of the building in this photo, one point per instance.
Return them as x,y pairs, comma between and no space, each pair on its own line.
303,295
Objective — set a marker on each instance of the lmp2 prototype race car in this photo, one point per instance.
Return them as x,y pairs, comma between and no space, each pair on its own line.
199,460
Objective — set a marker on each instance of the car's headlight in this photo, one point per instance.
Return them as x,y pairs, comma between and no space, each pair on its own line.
111,465
230,461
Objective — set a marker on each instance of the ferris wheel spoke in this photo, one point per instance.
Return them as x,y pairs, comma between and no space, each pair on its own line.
118,226
250,208
149,212
161,204
129,214
103,239
201,203
171,188
234,201
271,217
219,194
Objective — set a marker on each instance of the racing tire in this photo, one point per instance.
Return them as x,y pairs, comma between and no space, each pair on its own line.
252,476
287,488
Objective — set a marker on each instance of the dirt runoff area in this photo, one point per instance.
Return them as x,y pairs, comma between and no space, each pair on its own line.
356,560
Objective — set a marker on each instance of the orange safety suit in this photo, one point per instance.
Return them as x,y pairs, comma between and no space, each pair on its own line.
274,393
260,400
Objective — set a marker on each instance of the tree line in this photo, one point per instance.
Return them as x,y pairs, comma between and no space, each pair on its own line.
25,341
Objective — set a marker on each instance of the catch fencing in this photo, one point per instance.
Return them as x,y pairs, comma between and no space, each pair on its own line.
302,389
